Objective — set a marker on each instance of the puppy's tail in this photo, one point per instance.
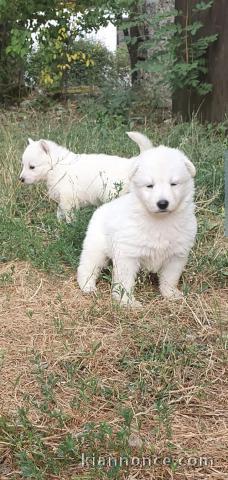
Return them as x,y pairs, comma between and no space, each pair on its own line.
142,141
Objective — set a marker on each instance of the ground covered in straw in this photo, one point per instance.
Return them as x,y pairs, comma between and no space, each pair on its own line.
81,377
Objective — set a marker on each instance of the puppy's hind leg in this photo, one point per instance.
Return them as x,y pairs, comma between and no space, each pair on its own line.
65,208
64,213
61,215
92,260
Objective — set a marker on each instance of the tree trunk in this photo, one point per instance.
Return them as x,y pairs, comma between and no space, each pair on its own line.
137,35
141,32
214,106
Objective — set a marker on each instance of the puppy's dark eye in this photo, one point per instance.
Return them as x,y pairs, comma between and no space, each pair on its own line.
150,186
31,167
173,184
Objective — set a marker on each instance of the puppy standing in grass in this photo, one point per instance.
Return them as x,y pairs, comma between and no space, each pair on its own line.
153,227
74,180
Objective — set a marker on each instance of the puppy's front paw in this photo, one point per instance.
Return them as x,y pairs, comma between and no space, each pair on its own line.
89,289
171,293
127,301
87,286
136,304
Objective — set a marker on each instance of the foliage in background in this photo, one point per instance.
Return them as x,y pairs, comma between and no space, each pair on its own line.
176,54
89,63
107,68
21,20
54,30
57,55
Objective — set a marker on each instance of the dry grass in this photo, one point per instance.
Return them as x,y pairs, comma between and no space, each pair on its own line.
165,365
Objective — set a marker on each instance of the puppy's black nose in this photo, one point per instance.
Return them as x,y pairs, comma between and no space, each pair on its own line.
163,204
22,179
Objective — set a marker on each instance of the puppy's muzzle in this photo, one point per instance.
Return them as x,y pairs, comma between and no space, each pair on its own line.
22,179
163,204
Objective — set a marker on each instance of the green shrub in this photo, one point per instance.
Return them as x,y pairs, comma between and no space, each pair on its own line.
107,68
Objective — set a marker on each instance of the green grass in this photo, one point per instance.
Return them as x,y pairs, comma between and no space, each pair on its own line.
29,229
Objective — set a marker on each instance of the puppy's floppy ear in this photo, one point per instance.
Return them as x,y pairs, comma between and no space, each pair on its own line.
30,141
45,147
142,141
190,167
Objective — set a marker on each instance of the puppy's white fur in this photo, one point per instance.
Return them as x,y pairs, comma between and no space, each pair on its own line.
135,233
76,180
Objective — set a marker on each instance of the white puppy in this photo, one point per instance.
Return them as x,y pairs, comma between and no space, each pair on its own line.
152,227
77,180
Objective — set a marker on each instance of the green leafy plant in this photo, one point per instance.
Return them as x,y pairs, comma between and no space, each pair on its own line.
52,23
176,53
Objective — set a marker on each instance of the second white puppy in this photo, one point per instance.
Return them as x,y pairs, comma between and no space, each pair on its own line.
75,180
152,227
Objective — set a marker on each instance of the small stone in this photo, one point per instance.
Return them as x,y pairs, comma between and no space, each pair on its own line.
135,440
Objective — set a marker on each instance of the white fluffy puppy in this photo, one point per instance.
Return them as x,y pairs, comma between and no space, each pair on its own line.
76,180
153,227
